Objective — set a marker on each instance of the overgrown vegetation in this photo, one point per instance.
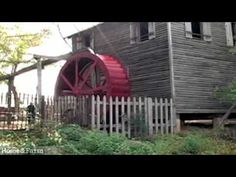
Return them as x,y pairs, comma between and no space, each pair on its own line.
227,93
73,140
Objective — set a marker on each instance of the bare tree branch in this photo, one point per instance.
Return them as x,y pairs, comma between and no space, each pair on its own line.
59,30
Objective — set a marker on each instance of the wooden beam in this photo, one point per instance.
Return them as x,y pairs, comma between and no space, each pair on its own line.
50,60
220,121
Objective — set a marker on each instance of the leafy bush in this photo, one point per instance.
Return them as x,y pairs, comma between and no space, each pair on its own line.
140,125
96,142
131,147
192,145
73,140
227,93
71,132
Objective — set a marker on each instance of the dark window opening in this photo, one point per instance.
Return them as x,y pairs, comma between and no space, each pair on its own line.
144,33
196,30
87,41
234,32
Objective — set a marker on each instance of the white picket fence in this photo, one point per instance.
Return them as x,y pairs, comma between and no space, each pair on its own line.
133,116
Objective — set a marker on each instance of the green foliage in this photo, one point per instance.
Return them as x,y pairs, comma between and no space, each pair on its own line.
131,147
193,145
73,140
14,45
140,125
71,132
96,142
227,93
233,51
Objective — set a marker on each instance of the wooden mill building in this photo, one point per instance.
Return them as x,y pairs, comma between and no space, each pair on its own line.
185,61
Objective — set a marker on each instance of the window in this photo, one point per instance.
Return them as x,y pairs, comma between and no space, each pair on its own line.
198,30
85,41
230,28
233,24
141,31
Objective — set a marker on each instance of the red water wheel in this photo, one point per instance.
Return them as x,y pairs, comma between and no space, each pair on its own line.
86,73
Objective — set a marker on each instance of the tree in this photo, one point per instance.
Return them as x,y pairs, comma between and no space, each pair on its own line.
13,47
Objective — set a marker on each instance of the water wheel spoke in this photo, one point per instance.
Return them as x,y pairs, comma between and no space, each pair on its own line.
87,74
67,82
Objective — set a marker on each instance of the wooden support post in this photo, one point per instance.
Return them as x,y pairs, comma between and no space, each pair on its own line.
9,101
217,122
42,106
178,123
39,86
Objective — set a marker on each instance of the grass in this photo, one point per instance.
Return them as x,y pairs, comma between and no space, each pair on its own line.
73,140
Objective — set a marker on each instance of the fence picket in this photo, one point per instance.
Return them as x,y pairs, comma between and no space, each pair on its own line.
135,116
93,112
122,116
161,116
104,113
117,114
128,116
150,116
171,117
110,115
156,115
166,117
98,112
140,115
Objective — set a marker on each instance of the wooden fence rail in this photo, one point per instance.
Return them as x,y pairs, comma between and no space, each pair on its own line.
132,116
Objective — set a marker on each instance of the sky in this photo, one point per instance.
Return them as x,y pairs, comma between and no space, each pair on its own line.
54,45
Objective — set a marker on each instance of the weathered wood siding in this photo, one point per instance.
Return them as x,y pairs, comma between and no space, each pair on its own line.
199,67
147,62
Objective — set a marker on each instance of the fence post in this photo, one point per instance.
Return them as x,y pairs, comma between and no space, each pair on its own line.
110,115
129,117
161,115
171,116
93,112
145,116
42,108
98,112
150,116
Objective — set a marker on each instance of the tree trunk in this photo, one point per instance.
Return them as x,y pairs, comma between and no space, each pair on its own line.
9,93
16,99
9,101
13,89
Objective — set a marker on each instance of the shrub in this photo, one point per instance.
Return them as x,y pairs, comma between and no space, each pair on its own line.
71,132
226,93
96,142
136,148
197,144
